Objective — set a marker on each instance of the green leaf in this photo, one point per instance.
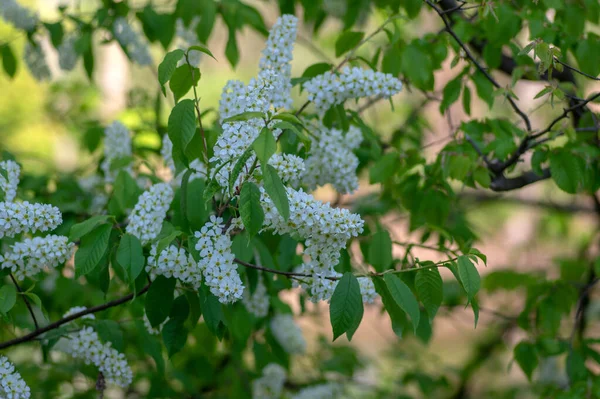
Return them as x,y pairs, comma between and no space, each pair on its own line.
196,208
392,61
167,67
317,69
125,194
346,307
109,331
276,190
231,49
202,49
484,88
451,93
347,41
576,369
80,229
244,116
237,169
384,167
174,336
250,209
181,82
56,33
380,250
159,300
417,66
397,315
164,242
469,276
526,356
567,170
403,297
8,298
181,129
91,250
430,288
130,256
265,145
211,310
287,117
466,100
9,61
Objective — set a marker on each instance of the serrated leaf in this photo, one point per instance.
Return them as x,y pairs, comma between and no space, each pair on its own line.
202,49
430,289
8,298
403,297
469,276
159,300
346,307
347,41
380,250
91,250
265,145
250,209
130,256
276,190
80,229
167,67
567,170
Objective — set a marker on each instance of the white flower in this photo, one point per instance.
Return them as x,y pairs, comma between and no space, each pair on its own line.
187,37
323,391
86,345
367,289
257,302
174,262
117,145
151,330
36,61
333,88
9,183
217,261
77,309
288,334
135,44
145,221
12,386
289,167
67,55
30,256
332,161
23,217
20,17
270,384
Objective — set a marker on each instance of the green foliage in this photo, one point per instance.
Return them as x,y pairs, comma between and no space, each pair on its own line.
346,307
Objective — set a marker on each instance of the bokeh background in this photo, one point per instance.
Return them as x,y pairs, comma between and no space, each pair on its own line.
535,229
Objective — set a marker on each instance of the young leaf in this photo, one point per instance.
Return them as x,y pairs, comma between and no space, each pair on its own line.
244,116
404,297
8,298
250,209
130,256
265,145
380,250
430,288
469,276
347,41
346,307
91,250
276,190
202,49
168,66
159,300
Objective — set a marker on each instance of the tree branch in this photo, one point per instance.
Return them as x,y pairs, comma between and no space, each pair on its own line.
503,183
39,331
35,322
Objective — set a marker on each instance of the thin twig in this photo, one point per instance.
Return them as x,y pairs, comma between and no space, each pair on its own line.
25,300
576,70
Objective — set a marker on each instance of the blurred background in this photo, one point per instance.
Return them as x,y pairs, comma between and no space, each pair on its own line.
538,231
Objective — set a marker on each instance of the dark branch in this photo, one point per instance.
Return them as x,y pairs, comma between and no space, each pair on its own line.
502,183
39,331
35,322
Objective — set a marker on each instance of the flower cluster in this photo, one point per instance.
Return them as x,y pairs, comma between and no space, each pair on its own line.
19,16
24,217
12,385
174,262
332,160
152,330
187,37
67,55
367,289
134,44
289,167
145,221
325,229
277,56
86,345
217,261
117,145
270,384
36,61
77,309
322,391
29,257
333,88
9,183
288,334
257,302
